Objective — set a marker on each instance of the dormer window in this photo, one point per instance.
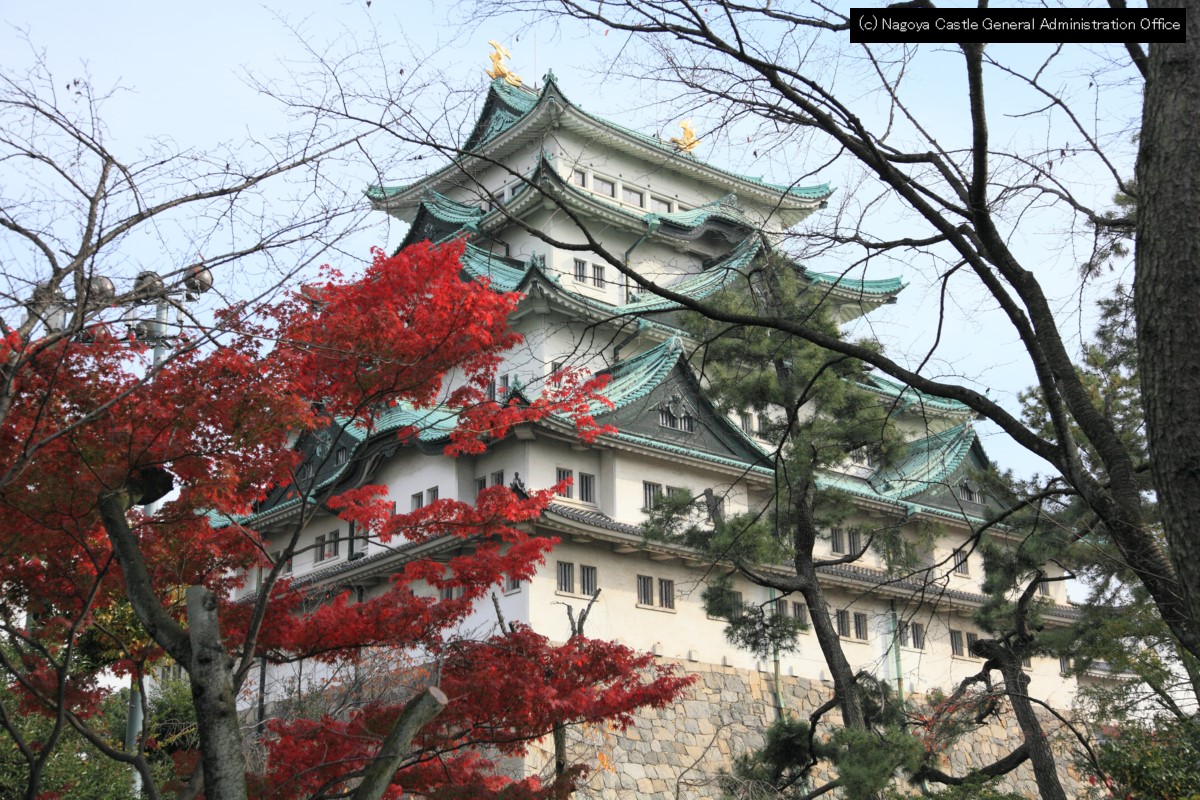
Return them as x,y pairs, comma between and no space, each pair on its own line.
969,494
864,457
675,415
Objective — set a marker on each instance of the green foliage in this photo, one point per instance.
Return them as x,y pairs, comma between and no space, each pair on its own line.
866,761
782,762
1152,762
751,626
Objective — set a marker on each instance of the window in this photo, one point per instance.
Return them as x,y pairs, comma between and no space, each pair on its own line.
566,577
666,593
604,186
351,541
645,590
651,495
326,546
1064,665
632,196
306,471
418,500
842,621
393,509
972,638
800,612
579,177
918,635
667,419
764,424
498,478
747,423
968,494
480,485
502,389
587,488
431,495
687,423
956,643
561,475
855,539
837,540
1044,588
860,626
660,205
580,271
677,492
864,457
735,609
587,580
960,563
511,584
450,592
341,456
598,275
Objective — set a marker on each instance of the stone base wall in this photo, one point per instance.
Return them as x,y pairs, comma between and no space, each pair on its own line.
678,752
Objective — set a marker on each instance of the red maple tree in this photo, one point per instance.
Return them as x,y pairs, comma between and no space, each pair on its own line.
92,584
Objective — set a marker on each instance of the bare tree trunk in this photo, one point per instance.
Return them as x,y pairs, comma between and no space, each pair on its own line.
420,710
211,675
1167,290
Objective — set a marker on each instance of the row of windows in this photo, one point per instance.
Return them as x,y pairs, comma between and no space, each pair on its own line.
582,273
585,487
748,423
653,493
646,595
843,542
627,194
588,583
678,422
483,481
422,499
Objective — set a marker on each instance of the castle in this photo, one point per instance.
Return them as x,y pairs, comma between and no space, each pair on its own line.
536,163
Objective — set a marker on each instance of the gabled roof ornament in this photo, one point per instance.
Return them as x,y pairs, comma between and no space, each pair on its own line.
499,68
687,143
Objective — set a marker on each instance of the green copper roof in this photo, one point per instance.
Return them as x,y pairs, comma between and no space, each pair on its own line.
927,462
702,284
506,105
881,286
723,207
692,453
503,273
449,210
911,398
634,378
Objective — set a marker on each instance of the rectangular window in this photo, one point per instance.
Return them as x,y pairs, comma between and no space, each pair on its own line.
666,593
645,590
660,205
800,612
598,275
1044,588
587,488
855,540
737,605
431,495
580,271
418,500
837,540
498,478
747,423
587,580
651,495
341,456
502,389
480,485
561,475
579,177
1064,665
687,423
351,542
902,634
960,563
956,643
972,638
843,623
918,636
860,626
450,592
511,584
319,549
393,508
566,577
632,196
764,424
604,186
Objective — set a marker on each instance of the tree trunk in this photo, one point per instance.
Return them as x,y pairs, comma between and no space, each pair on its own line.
211,675
1167,291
